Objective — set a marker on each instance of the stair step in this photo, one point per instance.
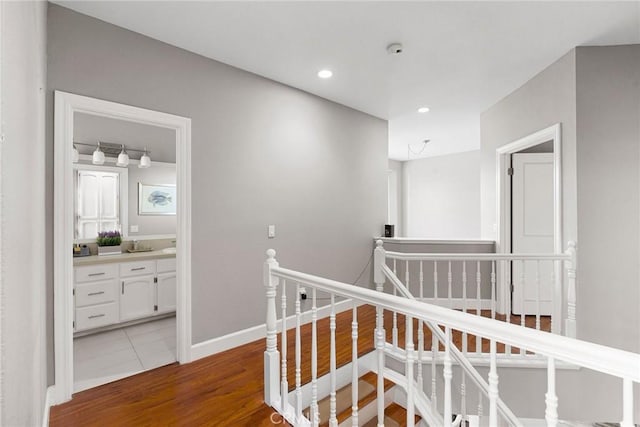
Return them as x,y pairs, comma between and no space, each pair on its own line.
366,394
394,416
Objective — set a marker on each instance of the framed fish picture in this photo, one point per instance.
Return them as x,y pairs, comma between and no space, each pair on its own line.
156,199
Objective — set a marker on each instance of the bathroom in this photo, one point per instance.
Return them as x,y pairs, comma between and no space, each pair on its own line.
124,254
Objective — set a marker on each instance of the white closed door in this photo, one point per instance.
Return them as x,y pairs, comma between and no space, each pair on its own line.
166,292
532,232
137,297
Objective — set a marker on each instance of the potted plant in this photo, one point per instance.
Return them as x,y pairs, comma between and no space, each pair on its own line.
109,242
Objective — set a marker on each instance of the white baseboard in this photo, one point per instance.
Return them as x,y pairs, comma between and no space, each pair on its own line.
48,402
245,336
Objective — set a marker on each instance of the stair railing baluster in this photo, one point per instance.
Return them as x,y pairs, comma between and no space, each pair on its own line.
434,355
463,396
410,360
510,267
435,282
450,286
448,375
271,356
284,390
315,416
394,331
354,365
493,385
464,303
298,358
538,294
522,299
479,304
570,324
379,259
551,400
420,335
493,289
333,421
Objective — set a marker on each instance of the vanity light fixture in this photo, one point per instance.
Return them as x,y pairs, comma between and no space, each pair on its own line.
98,156
145,160
123,158
75,155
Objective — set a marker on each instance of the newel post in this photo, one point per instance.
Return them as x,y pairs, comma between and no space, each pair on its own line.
271,354
570,323
379,259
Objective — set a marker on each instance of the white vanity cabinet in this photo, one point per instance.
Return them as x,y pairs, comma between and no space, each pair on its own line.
96,296
108,294
166,285
137,290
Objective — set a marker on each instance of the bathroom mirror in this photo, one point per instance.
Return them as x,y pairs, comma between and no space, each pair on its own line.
107,196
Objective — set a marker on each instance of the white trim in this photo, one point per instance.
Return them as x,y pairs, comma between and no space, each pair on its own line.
503,201
424,241
48,403
66,105
254,333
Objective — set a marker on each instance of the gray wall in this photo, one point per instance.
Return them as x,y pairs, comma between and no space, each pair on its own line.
22,178
396,205
150,224
263,153
442,196
594,93
608,105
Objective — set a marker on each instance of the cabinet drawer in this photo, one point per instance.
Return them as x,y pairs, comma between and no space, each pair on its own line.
139,268
96,316
96,293
166,265
92,273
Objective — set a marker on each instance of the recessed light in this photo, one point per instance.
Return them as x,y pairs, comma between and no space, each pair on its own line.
325,74
423,110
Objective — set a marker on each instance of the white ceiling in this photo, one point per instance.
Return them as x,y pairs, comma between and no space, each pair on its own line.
459,58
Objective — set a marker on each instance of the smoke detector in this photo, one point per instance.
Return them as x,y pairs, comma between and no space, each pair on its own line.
394,49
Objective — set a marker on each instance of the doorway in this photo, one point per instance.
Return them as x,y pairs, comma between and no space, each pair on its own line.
67,108
550,137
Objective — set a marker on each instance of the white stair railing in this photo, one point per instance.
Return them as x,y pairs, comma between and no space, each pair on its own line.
612,362
474,282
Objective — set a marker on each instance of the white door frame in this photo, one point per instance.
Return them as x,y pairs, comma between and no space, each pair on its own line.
66,105
503,208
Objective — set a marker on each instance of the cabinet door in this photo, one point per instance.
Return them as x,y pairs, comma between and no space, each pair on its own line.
166,292
136,297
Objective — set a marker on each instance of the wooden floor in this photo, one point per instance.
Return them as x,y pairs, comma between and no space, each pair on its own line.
225,389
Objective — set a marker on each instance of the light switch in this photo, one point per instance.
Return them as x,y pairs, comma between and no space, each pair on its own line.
133,229
271,233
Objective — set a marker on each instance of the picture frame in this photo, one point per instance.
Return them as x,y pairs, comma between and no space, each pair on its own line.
156,199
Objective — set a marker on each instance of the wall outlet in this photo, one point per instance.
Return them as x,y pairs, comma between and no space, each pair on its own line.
271,231
133,229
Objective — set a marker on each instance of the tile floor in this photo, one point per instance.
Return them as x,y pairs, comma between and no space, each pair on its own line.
109,356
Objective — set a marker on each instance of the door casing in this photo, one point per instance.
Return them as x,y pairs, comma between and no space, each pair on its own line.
503,209
66,105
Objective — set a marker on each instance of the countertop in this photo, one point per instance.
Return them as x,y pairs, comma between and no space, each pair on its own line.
124,257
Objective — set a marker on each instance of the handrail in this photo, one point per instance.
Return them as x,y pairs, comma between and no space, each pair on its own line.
477,257
457,354
611,361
